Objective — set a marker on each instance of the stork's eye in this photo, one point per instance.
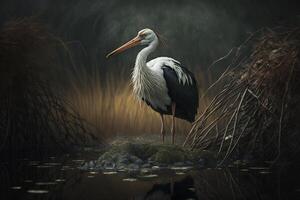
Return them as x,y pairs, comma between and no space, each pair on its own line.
143,35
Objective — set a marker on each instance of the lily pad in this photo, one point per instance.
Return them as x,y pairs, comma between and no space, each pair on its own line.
130,179
109,173
38,191
150,176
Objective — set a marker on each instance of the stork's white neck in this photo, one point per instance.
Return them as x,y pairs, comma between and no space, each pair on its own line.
141,58
142,76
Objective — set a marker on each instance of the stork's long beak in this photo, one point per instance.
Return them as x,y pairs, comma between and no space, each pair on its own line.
135,41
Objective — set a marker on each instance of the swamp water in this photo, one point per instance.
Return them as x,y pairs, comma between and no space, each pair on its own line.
84,176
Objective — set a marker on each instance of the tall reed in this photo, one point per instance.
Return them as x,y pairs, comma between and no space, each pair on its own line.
108,103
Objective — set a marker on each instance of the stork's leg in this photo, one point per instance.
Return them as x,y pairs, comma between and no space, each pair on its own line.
162,130
173,122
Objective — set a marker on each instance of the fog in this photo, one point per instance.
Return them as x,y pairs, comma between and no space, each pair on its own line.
195,32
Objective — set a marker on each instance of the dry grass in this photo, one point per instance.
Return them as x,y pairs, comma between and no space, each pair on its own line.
256,105
110,105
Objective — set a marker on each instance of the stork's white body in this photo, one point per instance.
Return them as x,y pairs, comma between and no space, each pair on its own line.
148,79
150,85
162,83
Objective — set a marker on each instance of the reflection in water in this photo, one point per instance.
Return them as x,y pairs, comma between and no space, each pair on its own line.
61,179
182,189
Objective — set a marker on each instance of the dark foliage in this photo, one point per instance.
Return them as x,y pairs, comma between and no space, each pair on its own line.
33,118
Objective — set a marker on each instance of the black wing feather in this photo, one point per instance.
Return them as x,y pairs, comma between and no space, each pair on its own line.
185,96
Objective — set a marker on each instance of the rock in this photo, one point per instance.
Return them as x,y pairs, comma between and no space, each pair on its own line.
133,158
155,167
101,163
123,160
105,156
84,167
125,156
145,170
188,162
146,165
108,165
178,164
121,166
133,166
162,165
139,161
91,164
88,165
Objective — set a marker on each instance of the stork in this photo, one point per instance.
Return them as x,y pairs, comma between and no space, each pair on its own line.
162,83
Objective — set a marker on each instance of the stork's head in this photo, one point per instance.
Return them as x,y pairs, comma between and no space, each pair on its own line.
147,36
144,37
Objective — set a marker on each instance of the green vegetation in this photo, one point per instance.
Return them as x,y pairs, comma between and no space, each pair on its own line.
155,153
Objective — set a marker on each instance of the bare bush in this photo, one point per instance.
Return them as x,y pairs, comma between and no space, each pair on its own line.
256,102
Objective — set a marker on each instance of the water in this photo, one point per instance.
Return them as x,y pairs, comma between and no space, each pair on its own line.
60,178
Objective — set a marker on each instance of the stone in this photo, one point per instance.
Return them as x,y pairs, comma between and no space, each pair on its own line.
84,167
146,165
145,170
123,160
188,162
133,166
156,167
139,161
91,164
179,164
108,165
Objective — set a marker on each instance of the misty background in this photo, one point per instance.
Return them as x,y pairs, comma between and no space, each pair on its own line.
196,32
